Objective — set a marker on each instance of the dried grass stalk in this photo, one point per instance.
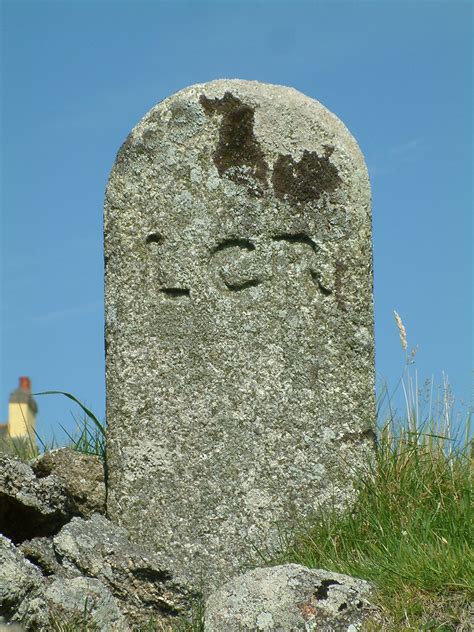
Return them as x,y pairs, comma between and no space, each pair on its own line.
402,330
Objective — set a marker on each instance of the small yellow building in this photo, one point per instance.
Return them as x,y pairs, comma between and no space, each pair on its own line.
22,409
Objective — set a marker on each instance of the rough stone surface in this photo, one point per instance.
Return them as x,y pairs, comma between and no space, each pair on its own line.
37,499
88,572
29,506
289,597
83,477
81,601
40,551
136,577
240,368
21,588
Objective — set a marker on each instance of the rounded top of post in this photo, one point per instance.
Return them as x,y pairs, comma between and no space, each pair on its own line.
278,109
272,141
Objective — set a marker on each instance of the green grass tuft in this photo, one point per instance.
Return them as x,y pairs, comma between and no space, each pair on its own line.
23,448
410,533
90,437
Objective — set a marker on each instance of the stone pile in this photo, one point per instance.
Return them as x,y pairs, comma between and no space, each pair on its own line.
65,563
59,554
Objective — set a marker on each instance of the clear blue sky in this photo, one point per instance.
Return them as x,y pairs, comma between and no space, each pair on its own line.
77,76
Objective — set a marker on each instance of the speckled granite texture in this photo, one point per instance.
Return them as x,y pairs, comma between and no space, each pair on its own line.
288,599
239,334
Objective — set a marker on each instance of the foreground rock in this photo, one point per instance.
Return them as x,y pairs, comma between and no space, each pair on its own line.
69,566
37,500
96,573
136,577
82,602
29,506
82,476
28,598
21,589
289,597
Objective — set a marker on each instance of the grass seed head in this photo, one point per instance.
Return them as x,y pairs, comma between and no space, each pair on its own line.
402,330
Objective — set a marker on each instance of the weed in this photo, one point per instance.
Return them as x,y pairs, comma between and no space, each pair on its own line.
23,448
91,437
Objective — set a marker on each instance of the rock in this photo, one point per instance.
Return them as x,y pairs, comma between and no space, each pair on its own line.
37,499
29,507
239,323
81,601
82,475
137,578
290,597
90,565
27,598
21,589
40,552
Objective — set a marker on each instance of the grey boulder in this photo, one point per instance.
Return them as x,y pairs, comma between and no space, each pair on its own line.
27,598
92,575
21,589
37,499
134,575
83,601
289,598
29,506
82,476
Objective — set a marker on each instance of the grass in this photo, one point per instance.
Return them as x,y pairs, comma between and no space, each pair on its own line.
411,529
410,533
90,438
83,622
24,448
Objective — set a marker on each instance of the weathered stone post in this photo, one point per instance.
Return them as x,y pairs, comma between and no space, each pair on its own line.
240,368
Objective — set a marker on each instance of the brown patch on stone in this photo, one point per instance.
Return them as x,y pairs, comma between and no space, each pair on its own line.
306,180
356,436
238,155
307,610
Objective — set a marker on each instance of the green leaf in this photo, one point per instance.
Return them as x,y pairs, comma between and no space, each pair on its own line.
88,412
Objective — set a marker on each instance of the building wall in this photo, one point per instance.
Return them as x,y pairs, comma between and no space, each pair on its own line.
21,420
